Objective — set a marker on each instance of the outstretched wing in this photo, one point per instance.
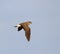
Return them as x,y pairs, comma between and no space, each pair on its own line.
27,31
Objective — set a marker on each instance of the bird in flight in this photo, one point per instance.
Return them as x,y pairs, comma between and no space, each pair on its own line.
26,28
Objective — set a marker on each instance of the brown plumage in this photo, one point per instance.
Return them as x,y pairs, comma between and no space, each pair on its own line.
25,26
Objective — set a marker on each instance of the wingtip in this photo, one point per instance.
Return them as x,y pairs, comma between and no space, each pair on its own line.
28,40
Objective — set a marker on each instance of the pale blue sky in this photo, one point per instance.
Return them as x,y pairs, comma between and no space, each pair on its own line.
45,27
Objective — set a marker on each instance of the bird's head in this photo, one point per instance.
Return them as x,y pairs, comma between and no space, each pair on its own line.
18,25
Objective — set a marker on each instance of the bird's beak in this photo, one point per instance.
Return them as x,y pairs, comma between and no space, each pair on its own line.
15,26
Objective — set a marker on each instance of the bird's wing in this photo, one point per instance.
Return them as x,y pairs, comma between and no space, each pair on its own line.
27,31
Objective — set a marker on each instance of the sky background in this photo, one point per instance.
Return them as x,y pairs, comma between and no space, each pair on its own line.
45,27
